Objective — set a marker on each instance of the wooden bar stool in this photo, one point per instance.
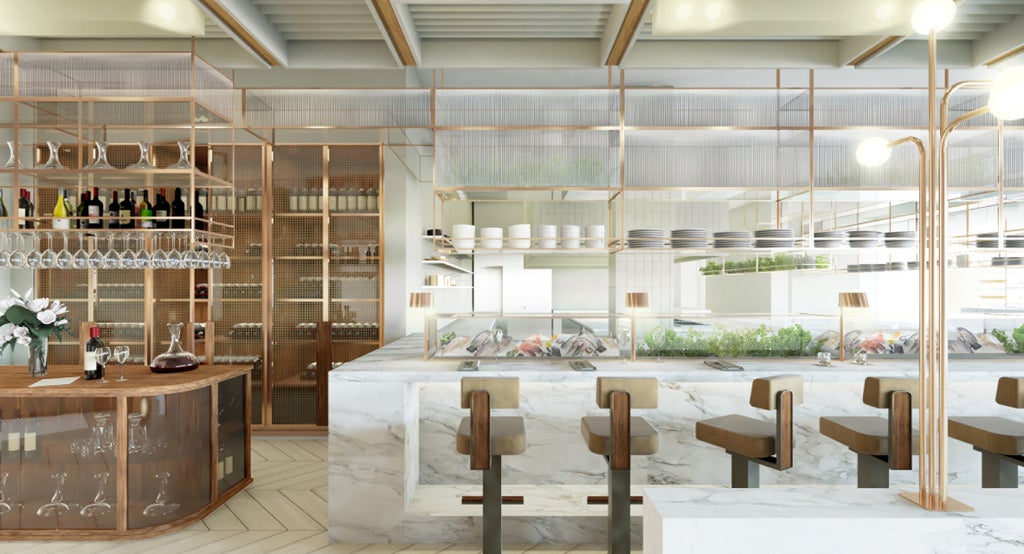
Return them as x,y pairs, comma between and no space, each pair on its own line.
617,437
1000,440
485,439
881,443
753,442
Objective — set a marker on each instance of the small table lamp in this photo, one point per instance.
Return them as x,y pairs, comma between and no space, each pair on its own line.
636,300
848,300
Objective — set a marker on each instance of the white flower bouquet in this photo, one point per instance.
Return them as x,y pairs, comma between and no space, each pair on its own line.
29,321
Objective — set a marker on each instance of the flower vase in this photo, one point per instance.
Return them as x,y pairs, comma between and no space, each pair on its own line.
37,350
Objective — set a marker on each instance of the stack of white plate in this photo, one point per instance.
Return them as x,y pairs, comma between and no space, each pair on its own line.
519,235
733,239
898,266
463,238
913,265
570,236
865,239
595,236
690,238
773,238
901,239
1000,260
1015,241
491,237
988,240
548,234
830,239
646,238
856,268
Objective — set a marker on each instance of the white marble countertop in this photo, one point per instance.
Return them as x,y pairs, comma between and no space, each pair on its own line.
402,361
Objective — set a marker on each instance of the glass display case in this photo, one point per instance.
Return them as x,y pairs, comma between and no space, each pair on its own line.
528,336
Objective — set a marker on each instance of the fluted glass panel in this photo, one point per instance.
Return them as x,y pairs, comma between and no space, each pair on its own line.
702,108
973,159
267,108
835,161
761,159
1013,172
527,108
6,74
882,108
527,159
965,101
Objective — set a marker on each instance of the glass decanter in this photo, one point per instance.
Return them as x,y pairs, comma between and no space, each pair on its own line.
101,157
160,506
143,162
176,358
56,506
99,505
54,161
13,161
183,151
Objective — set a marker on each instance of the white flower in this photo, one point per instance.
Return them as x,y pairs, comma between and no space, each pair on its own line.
46,317
58,308
61,322
24,341
37,304
20,331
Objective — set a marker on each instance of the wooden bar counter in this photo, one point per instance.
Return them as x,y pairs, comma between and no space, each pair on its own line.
118,460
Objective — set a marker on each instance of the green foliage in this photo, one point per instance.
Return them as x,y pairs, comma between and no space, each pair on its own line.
446,338
1012,343
760,341
778,262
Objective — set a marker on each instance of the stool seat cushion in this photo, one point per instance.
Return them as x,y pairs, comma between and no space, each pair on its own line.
508,436
753,438
862,434
643,439
994,434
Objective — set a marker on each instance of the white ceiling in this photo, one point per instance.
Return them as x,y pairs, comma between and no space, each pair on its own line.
304,35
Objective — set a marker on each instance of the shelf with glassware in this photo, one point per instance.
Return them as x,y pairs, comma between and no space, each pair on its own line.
67,471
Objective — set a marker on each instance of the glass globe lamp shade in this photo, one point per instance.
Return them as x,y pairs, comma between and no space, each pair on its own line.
1006,96
873,152
932,15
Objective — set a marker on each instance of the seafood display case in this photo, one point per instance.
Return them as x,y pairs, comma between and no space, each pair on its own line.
528,336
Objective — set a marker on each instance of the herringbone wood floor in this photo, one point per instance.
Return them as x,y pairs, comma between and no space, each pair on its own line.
284,510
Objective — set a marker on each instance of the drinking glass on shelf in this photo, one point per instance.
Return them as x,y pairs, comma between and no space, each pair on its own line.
95,259
5,506
112,258
158,260
5,252
18,258
48,259
64,257
142,258
102,357
81,258
101,157
161,507
138,442
102,434
34,257
56,506
143,162
121,354
99,505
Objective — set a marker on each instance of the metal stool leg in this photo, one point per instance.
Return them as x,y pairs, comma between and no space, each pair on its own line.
872,473
745,473
492,507
618,511
997,473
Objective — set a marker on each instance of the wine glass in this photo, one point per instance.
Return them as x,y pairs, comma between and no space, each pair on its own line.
143,162
95,259
5,507
5,253
81,258
64,257
158,260
48,259
56,506
112,258
121,354
18,258
34,257
138,441
101,157
160,507
102,357
99,505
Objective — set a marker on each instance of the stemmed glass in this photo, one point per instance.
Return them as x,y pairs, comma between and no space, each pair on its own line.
99,506
112,259
138,442
101,157
142,258
160,507
143,162
121,355
13,161
159,258
102,434
183,151
56,506
18,258
48,259
54,161
64,257
5,253
102,357
5,507
34,256
81,258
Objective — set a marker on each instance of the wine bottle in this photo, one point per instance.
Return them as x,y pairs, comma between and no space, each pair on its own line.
127,211
178,209
146,211
3,207
93,369
161,210
293,200
95,210
22,210
361,201
351,203
60,212
68,207
371,201
197,212
80,213
114,212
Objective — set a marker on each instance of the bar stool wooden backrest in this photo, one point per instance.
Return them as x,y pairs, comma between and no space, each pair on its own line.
899,396
621,395
480,395
779,393
1010,392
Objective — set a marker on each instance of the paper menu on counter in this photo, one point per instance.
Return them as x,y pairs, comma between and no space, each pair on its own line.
54,382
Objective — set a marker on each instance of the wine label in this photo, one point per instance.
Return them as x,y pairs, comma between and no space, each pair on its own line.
126,216
30,442
61,223
229,465
160,214
13,441
94,214
89,362
220,470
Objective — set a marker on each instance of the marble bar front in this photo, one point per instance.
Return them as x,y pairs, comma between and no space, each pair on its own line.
395,475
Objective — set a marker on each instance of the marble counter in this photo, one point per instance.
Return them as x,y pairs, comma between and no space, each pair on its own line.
395,475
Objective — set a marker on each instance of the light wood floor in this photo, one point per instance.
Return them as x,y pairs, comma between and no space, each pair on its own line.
284,510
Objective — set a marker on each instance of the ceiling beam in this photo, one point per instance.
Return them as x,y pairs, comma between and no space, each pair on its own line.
1005,41
249,28
857,50
391,27
626,35
784,54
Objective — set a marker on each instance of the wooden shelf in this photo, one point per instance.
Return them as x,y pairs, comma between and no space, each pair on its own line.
447,265
451,287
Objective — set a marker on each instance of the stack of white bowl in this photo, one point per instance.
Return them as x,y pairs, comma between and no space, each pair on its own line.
548,234
595,236
463,237
491,237
570,236
519,235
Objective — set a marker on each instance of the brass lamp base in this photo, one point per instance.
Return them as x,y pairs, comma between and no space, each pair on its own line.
951,506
